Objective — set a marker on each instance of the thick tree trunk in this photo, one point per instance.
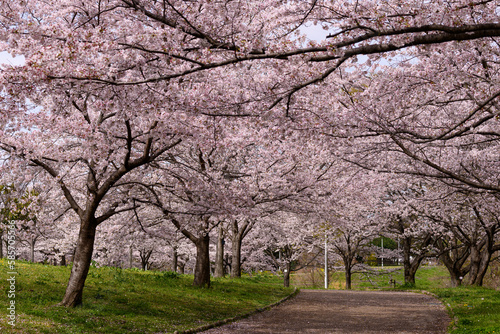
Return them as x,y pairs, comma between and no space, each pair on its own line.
475,259
236,257
483,267
454,258
480,260
456,272
219,254
348,280
238,234
409,268
202,266
409,277
348,256
202,243
348,274
236,237
411,265
286,274
456,280
81,264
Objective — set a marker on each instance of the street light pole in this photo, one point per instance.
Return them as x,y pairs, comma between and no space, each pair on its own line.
326,261
382,251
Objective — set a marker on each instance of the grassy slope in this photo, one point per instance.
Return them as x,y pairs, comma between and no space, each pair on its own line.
118,301
475,309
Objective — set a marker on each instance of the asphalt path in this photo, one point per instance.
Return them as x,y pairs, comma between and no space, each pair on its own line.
340,311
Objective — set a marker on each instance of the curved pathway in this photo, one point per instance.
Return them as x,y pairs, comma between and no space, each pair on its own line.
340,311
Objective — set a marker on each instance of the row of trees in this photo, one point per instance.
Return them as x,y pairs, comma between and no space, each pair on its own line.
195,114
460,230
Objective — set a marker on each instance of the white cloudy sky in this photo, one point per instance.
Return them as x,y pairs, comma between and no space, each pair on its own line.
6,58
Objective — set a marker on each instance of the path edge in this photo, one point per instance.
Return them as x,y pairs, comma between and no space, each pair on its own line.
453,318
238,317
452,324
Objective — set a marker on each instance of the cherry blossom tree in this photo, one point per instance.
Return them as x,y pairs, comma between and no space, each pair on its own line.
472,226
109,88
286,240
90,137
350,240
199,191
348,214
417,234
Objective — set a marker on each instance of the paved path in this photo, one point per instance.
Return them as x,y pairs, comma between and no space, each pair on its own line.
337,311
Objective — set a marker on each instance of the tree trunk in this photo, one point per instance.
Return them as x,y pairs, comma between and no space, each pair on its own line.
409,272
414,265
236,257
454,257
348,273
182,267
483,267
32,249
236,237
348,280
480,260
81,264
454,269
411,266
145,255
202,266
456,280
286,274
130,257
1,244
475,259
219,254
227,263
175,259
202,243
238,234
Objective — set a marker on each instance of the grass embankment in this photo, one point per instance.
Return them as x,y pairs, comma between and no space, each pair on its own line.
476,310
119,301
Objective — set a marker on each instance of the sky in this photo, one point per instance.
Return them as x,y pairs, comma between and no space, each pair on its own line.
315,32
6,58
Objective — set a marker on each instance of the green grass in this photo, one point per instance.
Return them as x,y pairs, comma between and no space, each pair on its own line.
474,309
119,301
477,309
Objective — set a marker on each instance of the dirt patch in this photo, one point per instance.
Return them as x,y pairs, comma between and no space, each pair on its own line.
334,311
